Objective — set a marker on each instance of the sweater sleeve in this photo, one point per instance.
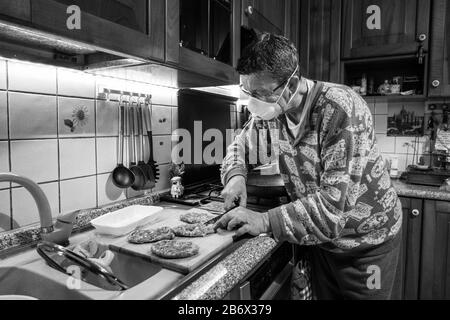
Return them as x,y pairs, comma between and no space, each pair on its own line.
320,217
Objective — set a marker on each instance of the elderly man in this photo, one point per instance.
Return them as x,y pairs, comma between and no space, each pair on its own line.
343,204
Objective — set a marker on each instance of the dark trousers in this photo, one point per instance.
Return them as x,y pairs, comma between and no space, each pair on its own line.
367,275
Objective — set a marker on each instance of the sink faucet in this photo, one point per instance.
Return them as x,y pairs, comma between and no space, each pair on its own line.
62,230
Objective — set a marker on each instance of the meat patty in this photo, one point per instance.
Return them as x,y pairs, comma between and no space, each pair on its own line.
193,230
195,216
150,236
173,249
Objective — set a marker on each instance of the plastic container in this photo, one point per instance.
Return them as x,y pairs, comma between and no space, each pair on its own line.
122,222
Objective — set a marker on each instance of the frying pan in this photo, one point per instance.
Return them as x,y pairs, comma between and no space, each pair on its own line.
265,186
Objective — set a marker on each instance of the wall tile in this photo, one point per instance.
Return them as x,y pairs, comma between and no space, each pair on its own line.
162,120
107,118
4,162
77,158
75,84
3,116
371,104
162,149
162,96
80,113
2,74
175,119
107,191
32,116
28,77
25,211
35,159
5,211
386,144
163,182
78,194
400,147
381,124
106,154
133,194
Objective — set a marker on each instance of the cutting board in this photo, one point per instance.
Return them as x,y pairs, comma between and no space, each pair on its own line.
210,246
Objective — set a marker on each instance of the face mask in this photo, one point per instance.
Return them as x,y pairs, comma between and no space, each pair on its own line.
270,110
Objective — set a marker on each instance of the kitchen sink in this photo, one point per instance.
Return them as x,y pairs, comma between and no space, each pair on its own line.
24,282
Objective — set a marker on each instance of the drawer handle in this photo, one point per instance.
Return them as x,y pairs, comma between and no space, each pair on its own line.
164,120
415,213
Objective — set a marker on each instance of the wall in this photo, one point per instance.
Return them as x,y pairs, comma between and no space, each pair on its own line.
73,168
395,146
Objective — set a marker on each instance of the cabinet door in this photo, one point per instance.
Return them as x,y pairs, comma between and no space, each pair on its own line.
435,266
384,27
265,15
440,49
17,9
409,263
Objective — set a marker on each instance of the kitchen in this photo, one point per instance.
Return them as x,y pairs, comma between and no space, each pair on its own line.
115,118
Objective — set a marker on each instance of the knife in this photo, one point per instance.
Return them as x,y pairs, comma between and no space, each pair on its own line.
215,219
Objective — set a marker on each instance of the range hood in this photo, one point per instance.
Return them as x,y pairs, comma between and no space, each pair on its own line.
18,41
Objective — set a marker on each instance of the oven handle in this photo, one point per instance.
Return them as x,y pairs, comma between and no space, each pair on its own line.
245,291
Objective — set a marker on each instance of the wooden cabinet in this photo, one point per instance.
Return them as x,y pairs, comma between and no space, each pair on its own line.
19,9
440,49
435,265
320,22
373,28
265,15
409,263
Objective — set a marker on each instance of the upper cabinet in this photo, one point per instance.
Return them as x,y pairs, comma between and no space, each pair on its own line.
373,28
440,49
87,32
265,15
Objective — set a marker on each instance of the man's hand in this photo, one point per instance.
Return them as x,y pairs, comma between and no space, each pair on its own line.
246,221
235,192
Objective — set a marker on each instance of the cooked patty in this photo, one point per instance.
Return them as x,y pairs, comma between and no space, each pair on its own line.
173,249
150,236
193,230
195,216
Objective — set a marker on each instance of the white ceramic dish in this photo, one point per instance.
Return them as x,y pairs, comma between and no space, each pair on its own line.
122,222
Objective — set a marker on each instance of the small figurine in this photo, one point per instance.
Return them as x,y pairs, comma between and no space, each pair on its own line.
177,190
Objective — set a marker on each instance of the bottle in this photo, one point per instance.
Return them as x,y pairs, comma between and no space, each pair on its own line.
363,90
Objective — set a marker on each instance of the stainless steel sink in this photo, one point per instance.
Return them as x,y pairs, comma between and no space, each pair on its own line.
23,282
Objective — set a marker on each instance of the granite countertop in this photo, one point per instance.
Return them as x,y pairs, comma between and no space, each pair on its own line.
422,192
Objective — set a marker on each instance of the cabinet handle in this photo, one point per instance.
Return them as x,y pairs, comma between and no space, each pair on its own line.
249,11
415,213
423,37
162,120
436,83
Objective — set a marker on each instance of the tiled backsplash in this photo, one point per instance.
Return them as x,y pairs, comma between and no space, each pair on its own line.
54,130
395,146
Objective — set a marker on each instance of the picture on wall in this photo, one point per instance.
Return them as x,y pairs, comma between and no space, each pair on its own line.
406,120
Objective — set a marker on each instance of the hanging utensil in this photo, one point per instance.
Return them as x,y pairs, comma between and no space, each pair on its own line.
122,177
139,176
145,167
151,161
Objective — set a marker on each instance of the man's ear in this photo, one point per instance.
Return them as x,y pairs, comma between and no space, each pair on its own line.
294,84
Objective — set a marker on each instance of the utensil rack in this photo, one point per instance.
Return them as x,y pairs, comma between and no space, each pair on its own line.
123,96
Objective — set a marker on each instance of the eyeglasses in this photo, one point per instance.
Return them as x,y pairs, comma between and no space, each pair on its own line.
268,98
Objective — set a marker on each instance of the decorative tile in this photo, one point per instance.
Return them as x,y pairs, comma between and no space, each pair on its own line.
35,159
32,116
162,120
107,191
381,107
76,117
3,75
78,194
5,211
386,144
381,124
75,84
107,118
3,116
106,154
77,158
28,77
4,162
24,208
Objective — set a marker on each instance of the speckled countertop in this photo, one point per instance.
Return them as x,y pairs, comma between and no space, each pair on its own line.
422,192
216,283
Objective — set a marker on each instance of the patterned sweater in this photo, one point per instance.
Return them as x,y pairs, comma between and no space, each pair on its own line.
341,192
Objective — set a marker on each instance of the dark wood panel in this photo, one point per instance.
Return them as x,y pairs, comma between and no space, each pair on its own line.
18,9
435,266
402,21
320,26
440,49
173,31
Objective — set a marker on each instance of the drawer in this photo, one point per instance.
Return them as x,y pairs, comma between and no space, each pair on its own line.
162,120
162,149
